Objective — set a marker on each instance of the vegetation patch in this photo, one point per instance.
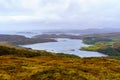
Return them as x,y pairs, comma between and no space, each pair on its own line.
58,68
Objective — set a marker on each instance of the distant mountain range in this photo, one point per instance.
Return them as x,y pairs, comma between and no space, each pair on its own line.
86,31
30,33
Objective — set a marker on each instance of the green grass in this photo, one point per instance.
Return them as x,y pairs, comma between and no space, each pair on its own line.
91,48
110,50
96,47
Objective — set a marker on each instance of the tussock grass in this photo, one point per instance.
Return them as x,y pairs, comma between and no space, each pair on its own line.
58,68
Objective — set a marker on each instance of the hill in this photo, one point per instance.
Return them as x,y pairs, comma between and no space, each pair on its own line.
58,36
21,40
84,31
25,64
108,43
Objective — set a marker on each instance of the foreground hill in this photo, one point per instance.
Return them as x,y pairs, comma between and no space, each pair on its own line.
58,68
25,64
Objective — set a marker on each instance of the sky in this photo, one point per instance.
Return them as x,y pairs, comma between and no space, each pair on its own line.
58,14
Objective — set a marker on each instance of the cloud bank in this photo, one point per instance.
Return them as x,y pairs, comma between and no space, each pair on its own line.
79,14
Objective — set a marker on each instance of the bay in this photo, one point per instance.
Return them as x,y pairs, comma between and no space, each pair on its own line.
69,46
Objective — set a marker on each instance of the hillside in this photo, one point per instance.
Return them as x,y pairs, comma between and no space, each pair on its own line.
21,40
6,49
108,43
115,35
26,64
58,68
58,36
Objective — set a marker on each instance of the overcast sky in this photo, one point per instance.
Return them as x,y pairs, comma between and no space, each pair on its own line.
58,14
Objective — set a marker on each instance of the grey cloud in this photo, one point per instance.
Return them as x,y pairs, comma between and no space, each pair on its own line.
62,13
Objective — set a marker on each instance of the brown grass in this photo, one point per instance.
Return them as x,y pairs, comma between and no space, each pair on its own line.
58,68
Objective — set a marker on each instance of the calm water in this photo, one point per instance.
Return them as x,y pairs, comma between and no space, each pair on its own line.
70,46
